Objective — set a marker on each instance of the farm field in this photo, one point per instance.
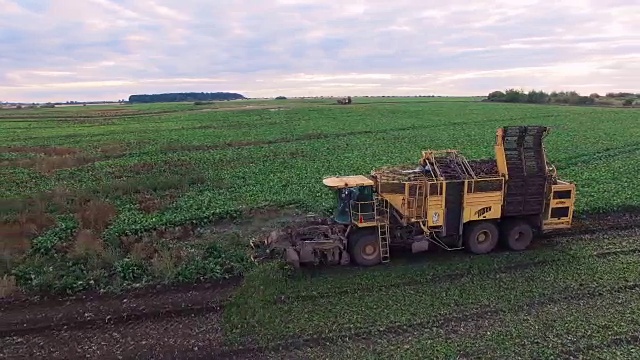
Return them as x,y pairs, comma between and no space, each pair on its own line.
117,197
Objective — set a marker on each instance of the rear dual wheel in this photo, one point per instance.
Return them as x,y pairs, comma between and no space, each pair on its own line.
482,237
516,235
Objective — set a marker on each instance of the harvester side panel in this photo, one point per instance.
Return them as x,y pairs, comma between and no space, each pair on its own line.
396,201
559,212
483,206
435,211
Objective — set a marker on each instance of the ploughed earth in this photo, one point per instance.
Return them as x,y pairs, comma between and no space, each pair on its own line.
175,322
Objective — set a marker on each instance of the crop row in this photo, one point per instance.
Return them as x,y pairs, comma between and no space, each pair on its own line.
289,174
393,305
426,269
580,326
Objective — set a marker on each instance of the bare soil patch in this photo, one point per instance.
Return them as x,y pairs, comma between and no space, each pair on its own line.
7,286
245,107
112,149
166,337
152,203
15,234
151,322
48,165
48,159
112,112
96,215
42,150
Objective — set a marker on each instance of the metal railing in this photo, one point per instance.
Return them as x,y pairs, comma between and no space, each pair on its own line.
361,215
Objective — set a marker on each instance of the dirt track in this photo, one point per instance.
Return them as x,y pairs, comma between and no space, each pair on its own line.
147,324
182,322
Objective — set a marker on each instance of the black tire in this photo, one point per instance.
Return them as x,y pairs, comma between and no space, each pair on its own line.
480,237
516,235
364,248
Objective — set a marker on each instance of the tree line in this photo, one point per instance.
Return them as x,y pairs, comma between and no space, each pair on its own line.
558,97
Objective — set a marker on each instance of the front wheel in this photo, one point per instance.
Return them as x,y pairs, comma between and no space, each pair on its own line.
480,237
364,248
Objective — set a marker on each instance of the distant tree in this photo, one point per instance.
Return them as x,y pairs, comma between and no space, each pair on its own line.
496,96
627,102
514,96
281,97
537,97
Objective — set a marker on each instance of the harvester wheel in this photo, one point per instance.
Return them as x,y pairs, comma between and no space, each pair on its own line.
516,235
364,248
481,237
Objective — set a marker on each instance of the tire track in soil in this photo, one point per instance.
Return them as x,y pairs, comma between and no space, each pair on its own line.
160,338
616,341
68,118
390,332
307,137
15,329
498,270
588,225
23,318
47,300
453,276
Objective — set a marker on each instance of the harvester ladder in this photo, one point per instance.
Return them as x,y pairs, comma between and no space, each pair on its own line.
382,221
419,212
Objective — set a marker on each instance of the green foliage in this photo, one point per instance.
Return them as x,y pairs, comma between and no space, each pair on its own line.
46,243
131,270
217,261
59,274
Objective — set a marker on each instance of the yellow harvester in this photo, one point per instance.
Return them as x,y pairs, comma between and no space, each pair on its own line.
444,200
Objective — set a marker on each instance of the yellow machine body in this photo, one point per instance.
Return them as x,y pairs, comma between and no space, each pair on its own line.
521,192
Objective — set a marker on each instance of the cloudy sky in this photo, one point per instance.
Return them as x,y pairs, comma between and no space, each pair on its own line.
58,50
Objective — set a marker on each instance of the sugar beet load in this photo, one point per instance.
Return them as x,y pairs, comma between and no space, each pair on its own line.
444,200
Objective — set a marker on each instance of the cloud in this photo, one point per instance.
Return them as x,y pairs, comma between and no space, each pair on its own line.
57,50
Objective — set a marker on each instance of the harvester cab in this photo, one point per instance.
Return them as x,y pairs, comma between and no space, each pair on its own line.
355,201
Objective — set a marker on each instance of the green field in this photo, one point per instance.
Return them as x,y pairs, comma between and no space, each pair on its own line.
106,195
110,197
